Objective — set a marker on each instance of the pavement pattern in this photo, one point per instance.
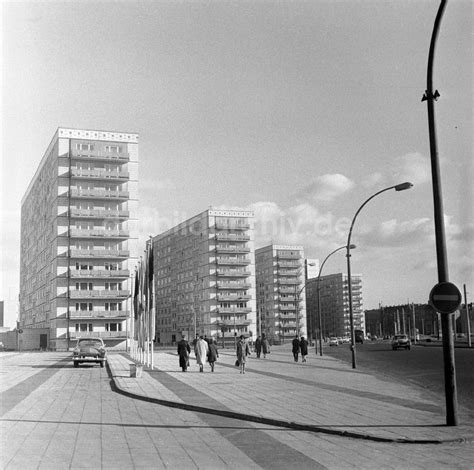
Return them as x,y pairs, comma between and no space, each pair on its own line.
278,415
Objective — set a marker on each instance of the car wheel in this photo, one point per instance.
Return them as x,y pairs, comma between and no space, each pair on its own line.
76,364
101,363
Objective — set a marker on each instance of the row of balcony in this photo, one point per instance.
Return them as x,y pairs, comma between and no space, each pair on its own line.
231,226
98,294
100,334
232,237
233,261
232,273
288,264
233,285
97,193
99,273
232,249
100,174
83,253
98,233
233,297
98,213
99,314
97,156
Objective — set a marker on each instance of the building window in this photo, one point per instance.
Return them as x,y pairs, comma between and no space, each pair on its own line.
113,327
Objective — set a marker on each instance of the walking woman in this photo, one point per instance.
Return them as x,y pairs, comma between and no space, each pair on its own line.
212,354
242,352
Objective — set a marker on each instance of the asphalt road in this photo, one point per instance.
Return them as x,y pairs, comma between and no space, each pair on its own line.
422,365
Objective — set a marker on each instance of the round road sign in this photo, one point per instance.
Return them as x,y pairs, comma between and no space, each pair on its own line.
445,297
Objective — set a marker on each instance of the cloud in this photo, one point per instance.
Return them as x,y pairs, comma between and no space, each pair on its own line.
413,167
326,188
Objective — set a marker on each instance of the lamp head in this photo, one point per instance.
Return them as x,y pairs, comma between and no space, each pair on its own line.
351,247
403,186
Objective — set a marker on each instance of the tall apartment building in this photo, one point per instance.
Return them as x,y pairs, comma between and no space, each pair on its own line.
281,303
78,237
334,294
204,270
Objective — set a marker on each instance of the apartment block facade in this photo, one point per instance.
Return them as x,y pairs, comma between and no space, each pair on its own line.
281,303
204,271
78,237
334,295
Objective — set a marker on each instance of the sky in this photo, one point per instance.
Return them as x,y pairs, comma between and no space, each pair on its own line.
297,110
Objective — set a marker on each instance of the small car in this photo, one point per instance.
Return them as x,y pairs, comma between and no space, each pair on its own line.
333,341
401,341
90,349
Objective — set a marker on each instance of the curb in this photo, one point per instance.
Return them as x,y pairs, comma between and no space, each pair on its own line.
276,422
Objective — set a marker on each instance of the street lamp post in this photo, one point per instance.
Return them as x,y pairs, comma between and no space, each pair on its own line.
319,296
398,187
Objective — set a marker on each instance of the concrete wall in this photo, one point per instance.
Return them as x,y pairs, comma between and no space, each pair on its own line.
29,340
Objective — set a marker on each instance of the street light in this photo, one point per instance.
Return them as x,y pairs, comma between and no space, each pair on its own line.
319,296
398,187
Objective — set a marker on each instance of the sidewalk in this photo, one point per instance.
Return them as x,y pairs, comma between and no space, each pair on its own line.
323,396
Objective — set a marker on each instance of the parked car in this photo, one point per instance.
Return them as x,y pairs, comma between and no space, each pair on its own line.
333,341
346,339
89,350
401,341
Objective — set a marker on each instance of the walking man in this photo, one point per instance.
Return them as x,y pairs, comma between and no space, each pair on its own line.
303,349
242,352
183,352
212,354
296,348
258,346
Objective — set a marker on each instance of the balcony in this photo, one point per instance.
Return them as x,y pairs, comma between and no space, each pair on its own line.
101,314
288,264
99,294
98,156
232,237
233,297
233,285
233,261
82,233
99,194
99,273
232,310
288,256
75,253
282,280
229,226
100,334
232,249
287,307
100,174
232,273
98,213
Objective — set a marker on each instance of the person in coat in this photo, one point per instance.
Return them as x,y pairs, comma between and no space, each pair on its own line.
265,346
212,354
296,348
200,350
303,348
183,352
258,346
242,352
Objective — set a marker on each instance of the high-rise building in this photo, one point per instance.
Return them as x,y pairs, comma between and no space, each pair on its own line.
204,271
78,237
334,297
281,303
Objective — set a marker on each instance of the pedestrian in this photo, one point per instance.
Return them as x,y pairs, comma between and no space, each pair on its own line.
303,349
212,354
242,352
296,348
183,352
258,346
200,350
265,346
195,340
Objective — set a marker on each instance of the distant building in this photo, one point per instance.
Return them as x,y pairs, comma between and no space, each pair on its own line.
334,297
281,303
204,272
77,232
398,319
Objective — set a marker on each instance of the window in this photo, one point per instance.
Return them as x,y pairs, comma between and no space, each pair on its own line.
82,146
113,148
83,327
113,327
